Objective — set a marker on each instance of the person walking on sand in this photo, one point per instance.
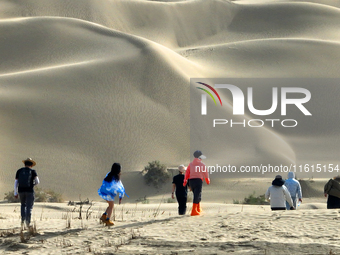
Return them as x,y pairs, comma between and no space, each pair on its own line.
25,180
111,186
195,173
332,189
278,194
181,191
294,189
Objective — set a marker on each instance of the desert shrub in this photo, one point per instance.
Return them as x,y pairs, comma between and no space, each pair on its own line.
252,199
54,197
40,196
9,196
155,174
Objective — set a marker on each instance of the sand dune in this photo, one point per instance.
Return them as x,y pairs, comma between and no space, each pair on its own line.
76,110
155,229
85,84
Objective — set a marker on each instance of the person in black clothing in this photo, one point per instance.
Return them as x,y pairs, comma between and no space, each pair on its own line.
332,190
181,192
25,179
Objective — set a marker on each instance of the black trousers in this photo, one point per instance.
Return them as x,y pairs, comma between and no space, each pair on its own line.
278,208
182,204
196,187
27,202
333,202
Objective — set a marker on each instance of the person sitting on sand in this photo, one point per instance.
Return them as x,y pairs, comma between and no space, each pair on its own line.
196,172
111,186
294,189
278,194
181,192
332,189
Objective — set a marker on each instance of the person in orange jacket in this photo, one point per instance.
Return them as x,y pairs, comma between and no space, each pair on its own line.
195,173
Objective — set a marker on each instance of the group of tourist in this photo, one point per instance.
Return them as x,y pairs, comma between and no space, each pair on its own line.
282,194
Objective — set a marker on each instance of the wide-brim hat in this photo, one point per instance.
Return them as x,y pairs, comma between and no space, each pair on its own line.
29,160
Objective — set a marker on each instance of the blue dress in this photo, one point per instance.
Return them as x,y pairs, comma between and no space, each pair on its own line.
109,190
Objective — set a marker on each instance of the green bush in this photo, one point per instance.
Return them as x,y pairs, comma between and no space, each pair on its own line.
39,194
155,174
252,199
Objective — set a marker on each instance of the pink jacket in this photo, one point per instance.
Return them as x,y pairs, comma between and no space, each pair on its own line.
196,169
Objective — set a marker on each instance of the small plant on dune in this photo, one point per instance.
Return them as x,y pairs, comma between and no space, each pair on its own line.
39,194
47,196
252,199
155,174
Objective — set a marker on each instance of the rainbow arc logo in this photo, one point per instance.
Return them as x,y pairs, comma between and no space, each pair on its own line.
209,93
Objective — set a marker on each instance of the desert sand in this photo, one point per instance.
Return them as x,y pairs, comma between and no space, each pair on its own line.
157,229
87,83
154,226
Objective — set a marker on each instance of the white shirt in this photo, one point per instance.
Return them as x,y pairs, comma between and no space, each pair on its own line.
278,196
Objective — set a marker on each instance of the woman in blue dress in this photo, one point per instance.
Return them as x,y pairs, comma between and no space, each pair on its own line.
111,186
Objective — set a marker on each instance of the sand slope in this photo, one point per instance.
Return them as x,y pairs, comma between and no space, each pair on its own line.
83,85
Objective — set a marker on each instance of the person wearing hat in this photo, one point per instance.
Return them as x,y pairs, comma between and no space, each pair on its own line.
278,194
25,180
195,173
181,191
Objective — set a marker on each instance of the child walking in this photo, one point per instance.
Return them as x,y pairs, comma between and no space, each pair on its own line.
111,186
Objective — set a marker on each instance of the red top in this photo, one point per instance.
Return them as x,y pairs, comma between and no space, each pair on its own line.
196,169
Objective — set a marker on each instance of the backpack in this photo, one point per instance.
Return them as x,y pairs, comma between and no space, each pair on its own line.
25,177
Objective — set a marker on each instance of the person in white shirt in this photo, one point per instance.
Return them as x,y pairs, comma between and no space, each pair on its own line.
278,194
